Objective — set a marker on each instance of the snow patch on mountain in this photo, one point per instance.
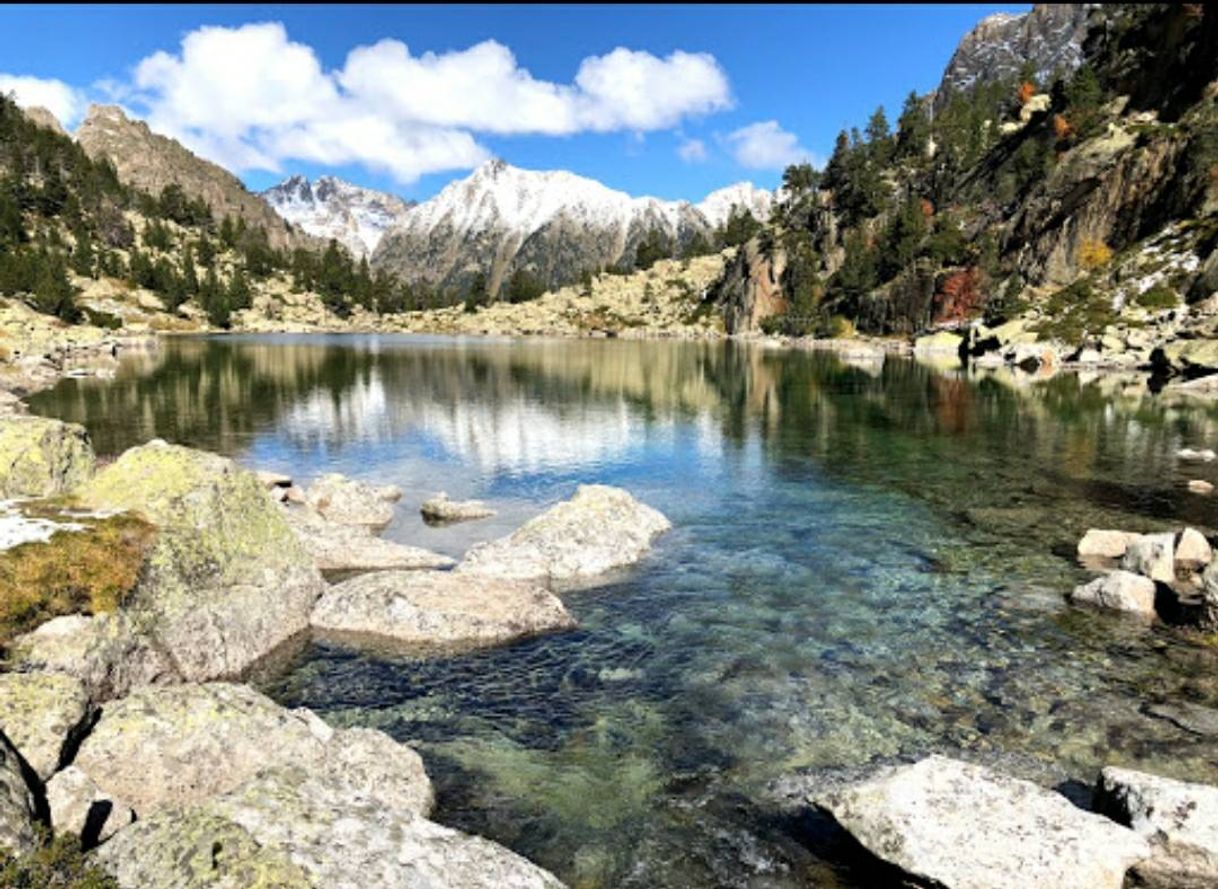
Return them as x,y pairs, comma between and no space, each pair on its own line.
332,208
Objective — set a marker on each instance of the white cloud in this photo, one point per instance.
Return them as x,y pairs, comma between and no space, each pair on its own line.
66,103
251,98
692,151
766,146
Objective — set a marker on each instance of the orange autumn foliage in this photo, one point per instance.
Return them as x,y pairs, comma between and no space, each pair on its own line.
1027,90
959,296
1062,128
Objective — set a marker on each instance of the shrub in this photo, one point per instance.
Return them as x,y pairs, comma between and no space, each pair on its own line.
1160,296
59,864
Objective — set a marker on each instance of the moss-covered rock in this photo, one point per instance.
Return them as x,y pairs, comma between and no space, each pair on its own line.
227,580
41,713
40,457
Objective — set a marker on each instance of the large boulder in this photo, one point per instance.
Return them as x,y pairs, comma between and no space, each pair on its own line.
337,547
1193,551
441,510
1188,357
960,826
227,580
598,529
943,344
309,830
439,608
1179,819
348,502
1121,591
1099,543
43,715
105,652
181,745
16,803
41,457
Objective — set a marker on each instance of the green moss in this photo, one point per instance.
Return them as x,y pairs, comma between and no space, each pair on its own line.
59,864
89,571
1158,297
1075,312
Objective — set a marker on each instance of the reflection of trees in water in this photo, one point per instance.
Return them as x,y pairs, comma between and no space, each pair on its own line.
903,424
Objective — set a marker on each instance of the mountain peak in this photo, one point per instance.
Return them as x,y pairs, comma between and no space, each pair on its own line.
333,208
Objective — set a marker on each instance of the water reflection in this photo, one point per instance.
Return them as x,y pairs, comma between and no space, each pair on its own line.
868,562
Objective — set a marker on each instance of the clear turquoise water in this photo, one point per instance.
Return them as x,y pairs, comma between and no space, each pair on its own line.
868,563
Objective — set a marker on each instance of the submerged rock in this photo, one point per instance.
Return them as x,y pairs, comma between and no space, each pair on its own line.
439,608
347,502
42,714
961,826
181,745
16,804
1200,486
1206,454
227,580
77,805
1120,590
1178,819
440,509
1105,544
1153,556
598,529
290,827
104,652
40,457
336,547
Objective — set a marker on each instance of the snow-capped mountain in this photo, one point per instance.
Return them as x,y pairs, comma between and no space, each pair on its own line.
332,208
555,223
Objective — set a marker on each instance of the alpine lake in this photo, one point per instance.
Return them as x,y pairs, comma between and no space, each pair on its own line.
869,563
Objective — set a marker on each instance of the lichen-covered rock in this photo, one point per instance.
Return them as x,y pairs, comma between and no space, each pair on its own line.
598,529
41,714
945,343
40,457
334,838
1179,819
77,805
1105,544
1193,551
337,547
105,652
440,509
1121,591
1153,556
16,804
961,826
184,744
439,608
227,580
348,502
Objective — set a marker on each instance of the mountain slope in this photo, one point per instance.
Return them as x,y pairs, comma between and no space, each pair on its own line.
332,208
554,223
149,162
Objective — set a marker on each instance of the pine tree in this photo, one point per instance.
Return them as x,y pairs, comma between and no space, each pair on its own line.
239,295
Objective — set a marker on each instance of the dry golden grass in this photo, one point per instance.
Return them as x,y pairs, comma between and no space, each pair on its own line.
89,571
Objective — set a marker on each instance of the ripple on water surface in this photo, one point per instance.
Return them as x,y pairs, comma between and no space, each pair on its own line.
863,567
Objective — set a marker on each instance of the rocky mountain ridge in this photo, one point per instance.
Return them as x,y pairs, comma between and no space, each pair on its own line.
555,223
333,208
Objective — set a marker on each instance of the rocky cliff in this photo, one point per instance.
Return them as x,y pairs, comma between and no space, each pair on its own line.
149,162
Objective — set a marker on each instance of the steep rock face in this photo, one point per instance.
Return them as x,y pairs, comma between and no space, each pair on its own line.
44,118
554,223
751,288
1051,37
331,208
150,161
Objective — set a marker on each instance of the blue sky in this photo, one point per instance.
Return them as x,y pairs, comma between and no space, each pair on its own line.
698,97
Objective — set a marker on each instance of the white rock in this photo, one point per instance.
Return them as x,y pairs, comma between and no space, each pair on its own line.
1205,454
1200,486
348,502
338,547
440,509
961,826
1120,590
79,806
1193,551
1153,556
1179,819
1105,544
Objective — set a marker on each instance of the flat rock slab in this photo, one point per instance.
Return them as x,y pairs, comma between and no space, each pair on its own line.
962,826
290,828
597,530
1179,819
442,510
1103,543
41,714
184,744
1191,717
337,547
348,502
439,608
